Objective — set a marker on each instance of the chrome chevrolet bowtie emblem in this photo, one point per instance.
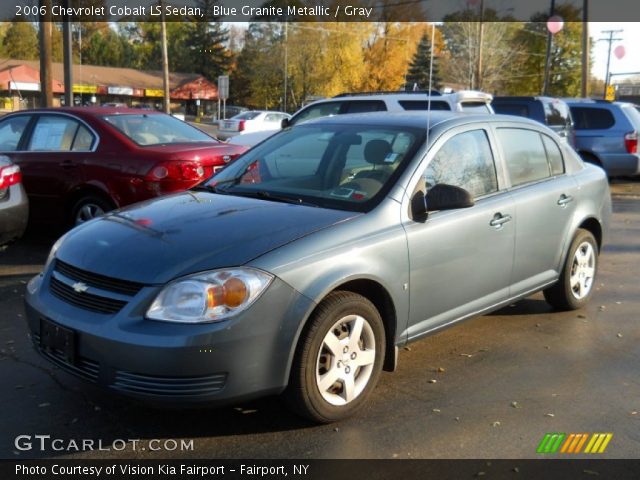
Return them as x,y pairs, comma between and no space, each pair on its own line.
80,287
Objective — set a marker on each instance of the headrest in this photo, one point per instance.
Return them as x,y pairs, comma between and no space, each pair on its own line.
375,151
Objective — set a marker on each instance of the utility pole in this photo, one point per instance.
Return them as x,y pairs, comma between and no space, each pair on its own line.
46,86
610,40
286,66
480,37
584,85
547,59
165,62
68,59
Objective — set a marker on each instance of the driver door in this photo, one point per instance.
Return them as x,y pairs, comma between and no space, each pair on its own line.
460,260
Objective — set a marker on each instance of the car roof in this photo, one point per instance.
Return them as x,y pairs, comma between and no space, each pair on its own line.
92,111
417,119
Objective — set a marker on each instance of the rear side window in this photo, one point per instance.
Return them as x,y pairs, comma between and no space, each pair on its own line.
465,160
364,106
557,113
83,141
588,118
424,105
53,133
525,155
554,155
475,107
633,115
11,131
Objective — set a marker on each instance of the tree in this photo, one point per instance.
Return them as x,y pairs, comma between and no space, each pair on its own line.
107,48
565,62
421,74
206,43
21,41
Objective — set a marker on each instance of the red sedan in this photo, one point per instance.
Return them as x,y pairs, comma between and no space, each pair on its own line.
78,163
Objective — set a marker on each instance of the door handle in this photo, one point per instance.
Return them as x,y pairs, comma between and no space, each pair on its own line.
499,220
68,164
564,200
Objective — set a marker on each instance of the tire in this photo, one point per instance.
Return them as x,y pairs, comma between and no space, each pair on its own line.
354,372
88,208
575,285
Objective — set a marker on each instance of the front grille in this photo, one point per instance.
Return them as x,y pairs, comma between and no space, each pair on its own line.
98,281
169,386
83,367
85,300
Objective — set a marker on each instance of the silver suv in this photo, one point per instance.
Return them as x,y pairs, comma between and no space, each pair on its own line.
466,101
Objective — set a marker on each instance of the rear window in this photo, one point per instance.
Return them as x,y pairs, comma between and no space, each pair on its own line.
512,109
424,105
246,116
589,118
475,107
156,129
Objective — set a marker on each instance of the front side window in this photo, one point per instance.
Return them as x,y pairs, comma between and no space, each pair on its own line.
466,161
156,129
525,155
348,167
11,131
54,133
326,109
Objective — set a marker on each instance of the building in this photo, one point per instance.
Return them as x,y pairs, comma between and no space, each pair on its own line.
189,93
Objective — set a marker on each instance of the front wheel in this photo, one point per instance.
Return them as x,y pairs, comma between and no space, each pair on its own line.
338,360
575,285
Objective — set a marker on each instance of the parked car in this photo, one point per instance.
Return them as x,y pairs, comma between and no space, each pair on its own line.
552,112
302,267
463,101
78,163
14,205
251,121
607,134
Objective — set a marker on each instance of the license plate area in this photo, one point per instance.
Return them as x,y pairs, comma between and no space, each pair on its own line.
58,340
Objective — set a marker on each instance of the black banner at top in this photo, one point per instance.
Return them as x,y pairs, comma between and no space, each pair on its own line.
316,10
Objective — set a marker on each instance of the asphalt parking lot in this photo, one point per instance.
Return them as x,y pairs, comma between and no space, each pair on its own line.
487,388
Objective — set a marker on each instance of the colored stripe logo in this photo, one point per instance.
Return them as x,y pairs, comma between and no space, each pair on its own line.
574,443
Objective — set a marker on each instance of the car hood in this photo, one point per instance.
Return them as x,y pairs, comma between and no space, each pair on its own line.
156,241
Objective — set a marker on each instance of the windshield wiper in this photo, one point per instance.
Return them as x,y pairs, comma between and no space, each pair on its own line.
265,195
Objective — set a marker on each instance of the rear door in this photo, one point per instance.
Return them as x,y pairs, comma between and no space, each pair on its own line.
51,162
543,196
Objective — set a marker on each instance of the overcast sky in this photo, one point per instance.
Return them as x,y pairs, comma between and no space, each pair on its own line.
631,42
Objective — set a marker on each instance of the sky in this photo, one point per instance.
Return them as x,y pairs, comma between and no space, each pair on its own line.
630,40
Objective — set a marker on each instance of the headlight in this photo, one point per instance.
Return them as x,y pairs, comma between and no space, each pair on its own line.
209,297
53,251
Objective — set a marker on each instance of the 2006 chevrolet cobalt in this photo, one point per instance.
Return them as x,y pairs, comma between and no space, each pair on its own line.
304,265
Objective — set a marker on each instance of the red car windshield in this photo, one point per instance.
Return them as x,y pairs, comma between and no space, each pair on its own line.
156,129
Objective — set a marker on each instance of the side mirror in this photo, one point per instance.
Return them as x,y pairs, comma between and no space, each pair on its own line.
285,123
448,197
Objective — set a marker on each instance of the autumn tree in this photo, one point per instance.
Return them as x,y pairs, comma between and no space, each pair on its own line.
21,41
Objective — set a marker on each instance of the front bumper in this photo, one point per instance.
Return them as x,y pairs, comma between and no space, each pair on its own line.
244,357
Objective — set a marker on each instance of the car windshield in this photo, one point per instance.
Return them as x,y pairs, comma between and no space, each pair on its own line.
347,167
156,129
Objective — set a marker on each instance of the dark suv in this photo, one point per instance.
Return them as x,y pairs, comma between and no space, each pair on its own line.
552,112
607,134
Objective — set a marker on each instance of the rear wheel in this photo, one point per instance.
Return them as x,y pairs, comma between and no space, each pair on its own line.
575,285
338,360
89,207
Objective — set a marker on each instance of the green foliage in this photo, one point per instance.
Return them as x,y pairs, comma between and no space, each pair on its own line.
418,73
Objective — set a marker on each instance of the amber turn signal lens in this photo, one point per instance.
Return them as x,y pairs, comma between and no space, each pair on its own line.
215,297
235,292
